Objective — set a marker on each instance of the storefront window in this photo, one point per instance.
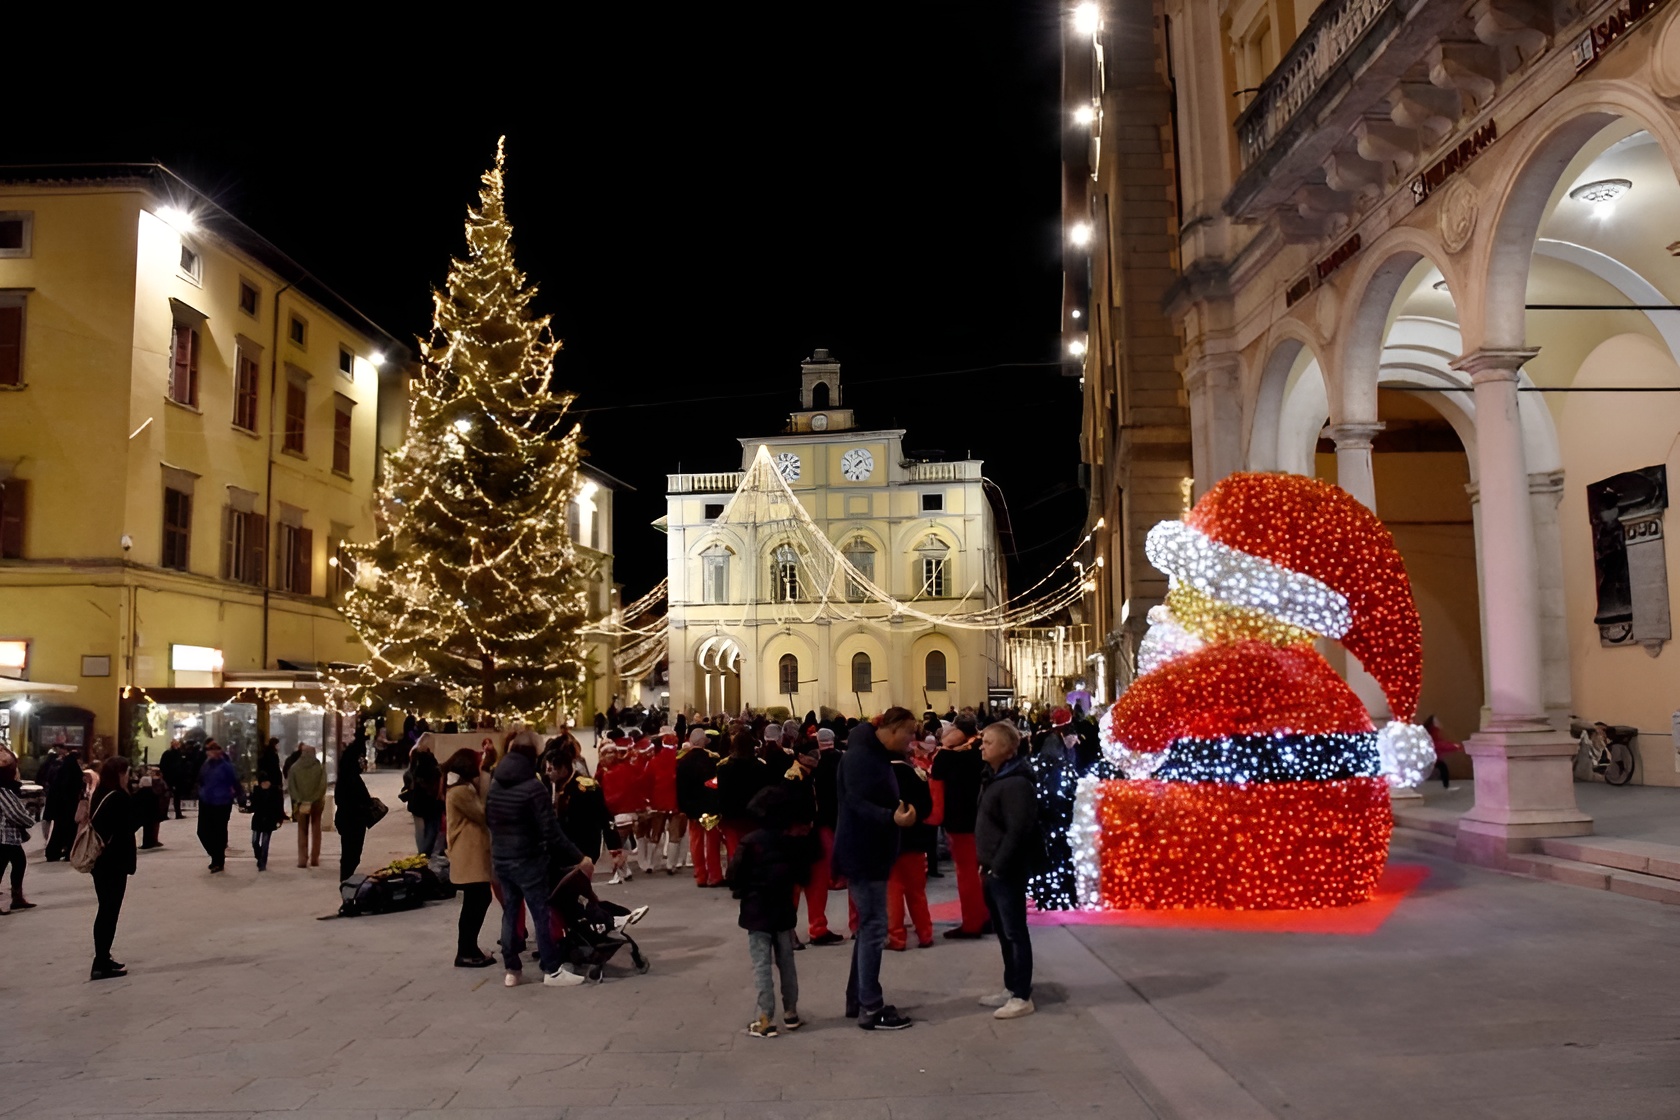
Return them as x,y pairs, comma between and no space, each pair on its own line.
233,725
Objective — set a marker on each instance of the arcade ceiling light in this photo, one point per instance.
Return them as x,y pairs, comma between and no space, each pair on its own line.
1601,191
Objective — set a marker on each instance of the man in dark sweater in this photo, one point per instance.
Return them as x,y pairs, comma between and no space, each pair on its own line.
1005,839
697,800
957,770
866,845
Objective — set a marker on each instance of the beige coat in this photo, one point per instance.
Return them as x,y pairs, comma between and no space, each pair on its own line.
469,835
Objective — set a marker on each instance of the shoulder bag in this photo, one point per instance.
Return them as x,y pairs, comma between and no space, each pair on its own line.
376,811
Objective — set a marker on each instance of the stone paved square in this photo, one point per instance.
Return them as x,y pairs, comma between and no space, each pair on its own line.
1485,996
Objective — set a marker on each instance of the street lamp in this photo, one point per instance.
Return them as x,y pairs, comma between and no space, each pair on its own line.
1085,19
1080,234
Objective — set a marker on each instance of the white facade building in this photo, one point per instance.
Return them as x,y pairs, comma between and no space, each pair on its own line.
762,613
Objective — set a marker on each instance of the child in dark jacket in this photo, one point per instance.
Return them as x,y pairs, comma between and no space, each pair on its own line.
770,863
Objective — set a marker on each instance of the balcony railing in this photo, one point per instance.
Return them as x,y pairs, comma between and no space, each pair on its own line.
967,471
1335,29
717,482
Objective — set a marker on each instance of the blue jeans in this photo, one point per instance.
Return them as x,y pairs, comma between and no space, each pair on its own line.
427,832
526,884
1008,905
762,947
863,986
259,847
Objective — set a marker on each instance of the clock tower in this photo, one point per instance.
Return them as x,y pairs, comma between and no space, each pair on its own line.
820,397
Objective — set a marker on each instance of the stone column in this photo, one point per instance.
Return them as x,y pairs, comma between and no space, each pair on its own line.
1545,492
1354,474
1524,773
1215,390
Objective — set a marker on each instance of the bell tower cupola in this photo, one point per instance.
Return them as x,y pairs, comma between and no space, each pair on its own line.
820,396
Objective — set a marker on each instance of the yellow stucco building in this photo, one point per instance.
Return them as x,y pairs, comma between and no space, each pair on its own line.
190,424
760,614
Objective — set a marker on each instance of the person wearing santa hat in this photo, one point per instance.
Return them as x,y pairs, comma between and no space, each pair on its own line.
624,785
1255,776
663,821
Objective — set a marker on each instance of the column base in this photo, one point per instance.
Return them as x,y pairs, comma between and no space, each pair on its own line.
1525,791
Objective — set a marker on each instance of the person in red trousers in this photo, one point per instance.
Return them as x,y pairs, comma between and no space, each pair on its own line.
697,800
907,885
957,770
664,822
816,888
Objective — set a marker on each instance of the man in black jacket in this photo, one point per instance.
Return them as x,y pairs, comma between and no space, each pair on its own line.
866,845
525,838
1006,839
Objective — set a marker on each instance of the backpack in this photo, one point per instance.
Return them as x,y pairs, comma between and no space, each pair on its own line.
86,849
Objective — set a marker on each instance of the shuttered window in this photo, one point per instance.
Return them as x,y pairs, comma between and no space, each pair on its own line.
294,566
341,433
244,542
244,390
11,344
14,514
177,528
183,366
297,404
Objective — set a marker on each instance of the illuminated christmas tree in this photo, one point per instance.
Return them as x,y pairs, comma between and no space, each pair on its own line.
474,584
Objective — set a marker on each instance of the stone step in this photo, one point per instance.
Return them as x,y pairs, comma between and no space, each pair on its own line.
1417,840
1575,873
1443,822
1643,857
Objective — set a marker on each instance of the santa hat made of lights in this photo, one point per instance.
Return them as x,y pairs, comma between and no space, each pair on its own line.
1309,554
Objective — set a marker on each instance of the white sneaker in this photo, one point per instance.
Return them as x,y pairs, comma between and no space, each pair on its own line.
627,874
510,980
563,977
618,877
997,999
631,918
1014,1009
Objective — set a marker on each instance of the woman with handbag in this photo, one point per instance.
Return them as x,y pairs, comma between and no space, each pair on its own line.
268,804
15,823
110,828
469,853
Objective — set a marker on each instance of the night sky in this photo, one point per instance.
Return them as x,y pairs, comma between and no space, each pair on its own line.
703,195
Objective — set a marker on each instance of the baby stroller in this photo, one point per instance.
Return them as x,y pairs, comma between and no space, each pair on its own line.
591,930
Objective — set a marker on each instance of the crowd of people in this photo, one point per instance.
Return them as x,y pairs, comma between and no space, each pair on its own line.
778,812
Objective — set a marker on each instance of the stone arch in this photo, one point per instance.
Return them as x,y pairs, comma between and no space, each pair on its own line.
1554,135
1373,287
1264,451
819,395
936,641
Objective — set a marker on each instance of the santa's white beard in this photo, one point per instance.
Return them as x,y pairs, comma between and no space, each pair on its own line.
1166,640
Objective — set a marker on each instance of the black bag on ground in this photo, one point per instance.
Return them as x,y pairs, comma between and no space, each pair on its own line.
367,895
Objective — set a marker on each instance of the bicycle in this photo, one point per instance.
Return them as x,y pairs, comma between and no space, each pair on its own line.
1606,750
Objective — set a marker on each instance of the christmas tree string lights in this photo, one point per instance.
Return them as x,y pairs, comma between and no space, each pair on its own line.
473,585
1254,778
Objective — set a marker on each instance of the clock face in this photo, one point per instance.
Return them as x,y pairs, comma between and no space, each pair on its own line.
787,465
819,422
857,464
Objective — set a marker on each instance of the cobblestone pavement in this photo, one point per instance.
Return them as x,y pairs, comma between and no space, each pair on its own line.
1484,996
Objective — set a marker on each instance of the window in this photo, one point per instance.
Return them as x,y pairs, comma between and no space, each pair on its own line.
17,232
245,378
574,520
787,670
863,673
343,574
933,503
341,433
714,576
243,542
785,575
11,338
346,363
294,560
714,510
248,298
298,331
297,405
935,675
933,577
192,265
183,365
860,555
177,528
14,515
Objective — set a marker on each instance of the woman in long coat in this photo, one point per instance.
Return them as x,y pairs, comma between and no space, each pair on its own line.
268,802
469,853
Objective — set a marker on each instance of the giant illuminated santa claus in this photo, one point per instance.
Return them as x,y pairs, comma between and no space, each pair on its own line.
1254,778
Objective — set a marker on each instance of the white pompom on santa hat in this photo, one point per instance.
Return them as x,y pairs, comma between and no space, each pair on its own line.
1308,553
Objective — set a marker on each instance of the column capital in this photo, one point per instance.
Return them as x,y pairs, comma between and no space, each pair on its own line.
1355,435
1492,363
1545,482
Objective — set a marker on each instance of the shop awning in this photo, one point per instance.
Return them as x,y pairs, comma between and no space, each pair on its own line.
11,687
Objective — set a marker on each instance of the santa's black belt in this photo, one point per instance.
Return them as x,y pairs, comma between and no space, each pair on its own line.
1273,758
